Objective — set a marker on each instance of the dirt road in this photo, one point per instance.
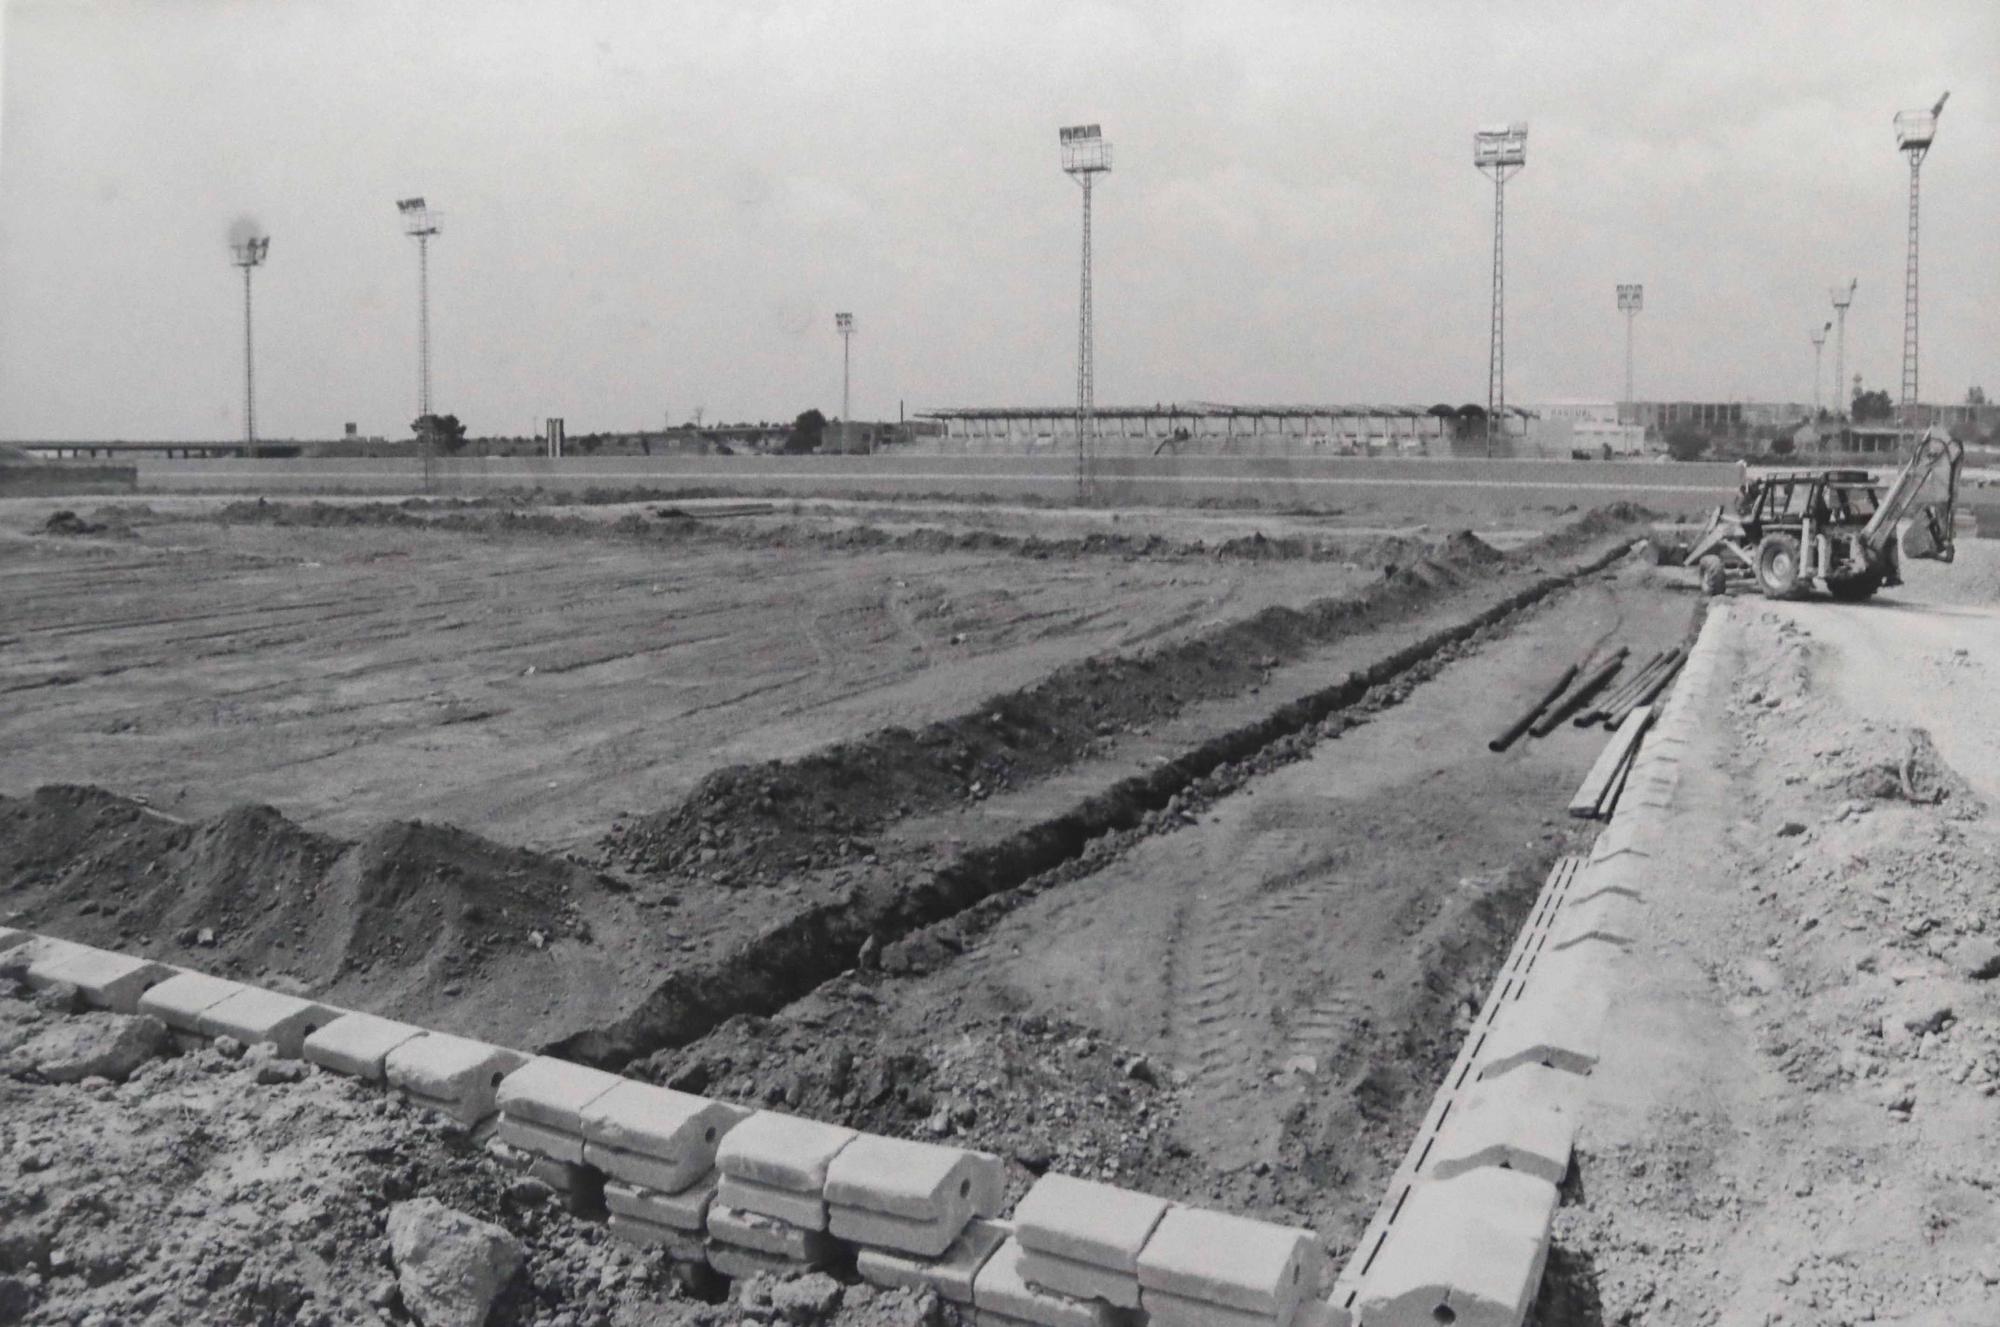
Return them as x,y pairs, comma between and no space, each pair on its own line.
1794,1121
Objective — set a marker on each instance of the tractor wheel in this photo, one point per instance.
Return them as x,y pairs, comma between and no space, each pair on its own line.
1854,589
1714,576
1778,566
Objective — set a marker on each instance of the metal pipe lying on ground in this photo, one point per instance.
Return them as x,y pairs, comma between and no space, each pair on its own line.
1592,682
1652,689
1621,693
1520,725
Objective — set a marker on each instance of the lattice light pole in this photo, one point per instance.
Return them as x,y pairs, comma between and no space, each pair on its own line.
844,324
1819,347
1499,150
1085,155
1843,296
420,225
1631,299
1915,131
249,254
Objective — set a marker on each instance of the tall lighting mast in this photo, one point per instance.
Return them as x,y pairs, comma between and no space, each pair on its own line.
420,225
1819,347
1915,131
1843,296
844,324
1085,155
1499,150
249,254
1631,299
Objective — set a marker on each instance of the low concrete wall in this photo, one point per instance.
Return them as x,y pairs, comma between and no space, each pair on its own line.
65,479
1285,481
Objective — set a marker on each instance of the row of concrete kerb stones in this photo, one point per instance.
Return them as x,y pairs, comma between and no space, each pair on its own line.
1463,1234
743,1192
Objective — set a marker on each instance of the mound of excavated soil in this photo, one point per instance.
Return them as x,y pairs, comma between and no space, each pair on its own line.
395,921
756,823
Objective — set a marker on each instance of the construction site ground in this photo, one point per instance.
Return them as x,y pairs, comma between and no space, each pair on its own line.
1241,993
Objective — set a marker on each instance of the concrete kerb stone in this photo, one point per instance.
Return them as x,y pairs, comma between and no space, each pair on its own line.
357,1045
1166,1310
1001,1294
1087,1222
106,980
1610,918
775,1165
19,959
904,1195
455,1075
183,998
1469,1251
1525,1121
252,1016
11,938
752,1231
951,1274
684,1211
1079,1280
655,1137
1199,1257
541,1105
1557,1022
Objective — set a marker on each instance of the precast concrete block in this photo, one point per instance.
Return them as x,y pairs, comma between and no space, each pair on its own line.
1525,1120
1628,876
107,980
681,1245
253,1015
541,1105
950,1274
782,1151
1088,1222
1215,1258
923,1238
1611,919
1000,1289
921,1181
1079,1280
11,938
808,1211
182,999
1165,1310
1467,1251
357,1044
740,1264
684,1211
1558,1020
761,1234
989,1185
655,1137
19,959
455,1075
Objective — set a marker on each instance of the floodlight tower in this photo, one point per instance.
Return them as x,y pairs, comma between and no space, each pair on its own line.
844,324
1842,297
1915,131
1631,299
1499,150
1085,155
420,225
1819,346
249,254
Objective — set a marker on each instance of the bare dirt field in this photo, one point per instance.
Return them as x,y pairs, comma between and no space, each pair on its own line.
528,687
1170,856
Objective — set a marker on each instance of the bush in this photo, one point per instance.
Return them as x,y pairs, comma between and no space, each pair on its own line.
1686,444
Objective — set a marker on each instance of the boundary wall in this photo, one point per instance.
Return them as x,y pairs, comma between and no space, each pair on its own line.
1298,481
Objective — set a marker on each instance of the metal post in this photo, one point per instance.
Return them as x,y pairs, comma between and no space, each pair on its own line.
249,375
1086,385
846,419
1496,363
1909,401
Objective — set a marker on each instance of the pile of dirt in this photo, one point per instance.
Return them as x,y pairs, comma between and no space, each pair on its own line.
417,906
519,516
750,824
220,1188
67,522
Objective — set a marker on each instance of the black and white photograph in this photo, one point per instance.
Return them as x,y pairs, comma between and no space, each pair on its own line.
1012,663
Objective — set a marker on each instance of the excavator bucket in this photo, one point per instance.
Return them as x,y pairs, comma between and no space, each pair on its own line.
1921,529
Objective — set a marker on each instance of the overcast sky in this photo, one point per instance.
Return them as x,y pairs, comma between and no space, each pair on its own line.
649,207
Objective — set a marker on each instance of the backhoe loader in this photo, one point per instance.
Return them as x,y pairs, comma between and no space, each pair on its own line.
1794,527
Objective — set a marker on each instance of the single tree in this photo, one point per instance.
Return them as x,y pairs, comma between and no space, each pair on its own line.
1686,444
1781,445
1872,405
444,432
807,430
